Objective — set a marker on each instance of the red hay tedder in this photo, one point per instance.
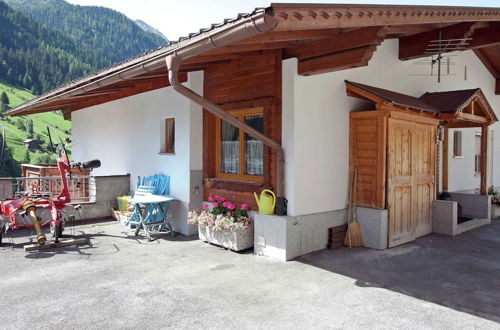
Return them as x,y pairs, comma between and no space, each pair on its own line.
12,208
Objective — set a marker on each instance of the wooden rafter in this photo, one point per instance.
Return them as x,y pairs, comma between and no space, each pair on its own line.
342,42
414,46
489,58
338,61
70,104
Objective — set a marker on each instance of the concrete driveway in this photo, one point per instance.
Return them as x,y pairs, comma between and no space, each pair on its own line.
120,281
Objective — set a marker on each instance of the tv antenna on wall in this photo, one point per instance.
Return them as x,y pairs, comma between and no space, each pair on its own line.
437,51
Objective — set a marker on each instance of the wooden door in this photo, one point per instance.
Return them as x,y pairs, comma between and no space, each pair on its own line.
410,179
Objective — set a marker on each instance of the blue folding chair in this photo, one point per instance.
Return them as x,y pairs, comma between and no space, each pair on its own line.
151,204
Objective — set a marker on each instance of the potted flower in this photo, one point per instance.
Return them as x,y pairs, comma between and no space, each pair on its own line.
495,202
223,223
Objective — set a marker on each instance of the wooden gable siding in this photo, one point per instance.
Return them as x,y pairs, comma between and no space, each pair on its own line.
243,83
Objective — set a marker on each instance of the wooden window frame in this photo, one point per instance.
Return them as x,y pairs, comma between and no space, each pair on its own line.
240,114
166,137
457,144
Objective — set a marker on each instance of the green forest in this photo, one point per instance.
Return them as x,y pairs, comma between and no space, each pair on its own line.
44,44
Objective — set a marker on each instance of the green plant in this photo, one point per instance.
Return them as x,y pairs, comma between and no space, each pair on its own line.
495,195
223,215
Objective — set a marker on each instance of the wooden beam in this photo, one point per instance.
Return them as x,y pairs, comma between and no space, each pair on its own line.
254,47
311,16
463,116
444,173
497,86
339,61
461,124
487,63
355,91
485,37
484,160
276,36
138,88
414,46
342,42
473,118
66,114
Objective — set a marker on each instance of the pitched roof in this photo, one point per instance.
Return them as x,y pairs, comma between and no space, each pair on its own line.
280,18
396,98
449,101
435,102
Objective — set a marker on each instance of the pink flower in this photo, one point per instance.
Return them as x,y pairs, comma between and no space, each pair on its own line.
215,204
211,198
204,207
231,206
221,199
245,206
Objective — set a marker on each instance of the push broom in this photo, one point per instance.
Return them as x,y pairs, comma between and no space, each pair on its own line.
353,236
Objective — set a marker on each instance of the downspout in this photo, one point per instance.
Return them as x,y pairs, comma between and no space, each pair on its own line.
173,64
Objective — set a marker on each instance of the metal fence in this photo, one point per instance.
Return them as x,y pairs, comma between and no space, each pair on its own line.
81,188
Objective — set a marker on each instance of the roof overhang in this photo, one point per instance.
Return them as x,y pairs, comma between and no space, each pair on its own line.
470,111
322,37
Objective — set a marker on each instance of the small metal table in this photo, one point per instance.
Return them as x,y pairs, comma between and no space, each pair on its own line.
154,214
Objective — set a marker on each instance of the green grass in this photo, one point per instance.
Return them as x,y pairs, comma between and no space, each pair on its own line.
15,136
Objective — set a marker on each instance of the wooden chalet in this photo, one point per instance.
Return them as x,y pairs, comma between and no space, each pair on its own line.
275,114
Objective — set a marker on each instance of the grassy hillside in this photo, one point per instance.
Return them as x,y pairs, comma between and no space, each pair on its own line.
16,133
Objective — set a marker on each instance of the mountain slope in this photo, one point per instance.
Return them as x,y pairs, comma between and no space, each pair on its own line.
148,28
15,133
34,56
104,36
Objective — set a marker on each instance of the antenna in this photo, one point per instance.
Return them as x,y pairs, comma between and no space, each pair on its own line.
436,50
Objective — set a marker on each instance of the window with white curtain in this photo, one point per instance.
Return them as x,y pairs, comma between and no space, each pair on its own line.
239,155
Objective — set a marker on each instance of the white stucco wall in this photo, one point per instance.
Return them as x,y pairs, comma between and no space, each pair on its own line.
126,136
315,123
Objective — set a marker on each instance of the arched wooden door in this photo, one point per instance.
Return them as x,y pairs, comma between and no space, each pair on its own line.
411,165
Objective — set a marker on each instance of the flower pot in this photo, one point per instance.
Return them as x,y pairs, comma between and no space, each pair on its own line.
495,211
233,239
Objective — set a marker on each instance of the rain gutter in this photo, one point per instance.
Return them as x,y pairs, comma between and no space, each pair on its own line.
174,60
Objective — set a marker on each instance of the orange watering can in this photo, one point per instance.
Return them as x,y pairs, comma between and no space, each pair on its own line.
266,202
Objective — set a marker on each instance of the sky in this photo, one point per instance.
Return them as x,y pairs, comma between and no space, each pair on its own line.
177,18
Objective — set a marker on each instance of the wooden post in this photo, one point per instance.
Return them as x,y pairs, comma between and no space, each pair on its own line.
444,173
484,159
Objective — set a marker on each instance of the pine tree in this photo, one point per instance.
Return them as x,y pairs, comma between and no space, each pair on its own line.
29,128
4,98
26,158
3,108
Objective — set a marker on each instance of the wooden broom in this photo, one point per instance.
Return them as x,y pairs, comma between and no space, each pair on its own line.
353,236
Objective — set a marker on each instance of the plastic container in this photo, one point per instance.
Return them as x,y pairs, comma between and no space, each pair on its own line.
122,203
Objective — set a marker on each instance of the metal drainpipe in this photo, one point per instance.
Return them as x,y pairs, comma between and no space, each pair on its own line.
173,64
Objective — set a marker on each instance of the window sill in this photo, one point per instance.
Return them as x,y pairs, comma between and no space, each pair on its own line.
458,157
234,185
167,153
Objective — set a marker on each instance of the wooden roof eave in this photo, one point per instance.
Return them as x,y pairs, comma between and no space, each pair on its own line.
313,16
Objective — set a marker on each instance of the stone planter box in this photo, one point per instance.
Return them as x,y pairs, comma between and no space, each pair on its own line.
495,211
234,239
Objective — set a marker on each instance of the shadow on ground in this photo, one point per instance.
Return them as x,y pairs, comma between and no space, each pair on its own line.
462,273
17,239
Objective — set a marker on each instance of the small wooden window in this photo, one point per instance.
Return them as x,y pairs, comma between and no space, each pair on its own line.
238,155
169,136
457,144
477,154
